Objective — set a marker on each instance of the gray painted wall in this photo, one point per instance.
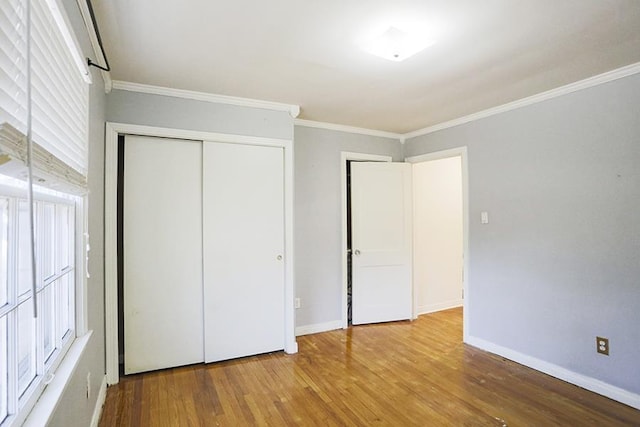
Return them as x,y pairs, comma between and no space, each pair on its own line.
558,263
318,220
74,409
176,113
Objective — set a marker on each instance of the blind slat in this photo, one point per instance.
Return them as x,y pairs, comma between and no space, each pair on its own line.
12,62
61,113
60,94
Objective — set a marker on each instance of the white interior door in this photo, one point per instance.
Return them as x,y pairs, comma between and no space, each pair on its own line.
243,198
381,241
163,318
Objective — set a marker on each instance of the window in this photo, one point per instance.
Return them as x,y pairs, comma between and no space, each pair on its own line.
31,348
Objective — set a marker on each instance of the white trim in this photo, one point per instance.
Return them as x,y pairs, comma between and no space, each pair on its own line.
553,93
43,410
124,128
348,129
82,248
589,383
62,21
290,346
464,160
437,155
432,308
318,327
344,156
110,239
293,110
102,396
95,44
110,253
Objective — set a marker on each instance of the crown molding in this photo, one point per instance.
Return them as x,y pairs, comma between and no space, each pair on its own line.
348,129
293,110
553,93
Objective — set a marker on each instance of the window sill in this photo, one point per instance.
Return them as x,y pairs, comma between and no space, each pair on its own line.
45,406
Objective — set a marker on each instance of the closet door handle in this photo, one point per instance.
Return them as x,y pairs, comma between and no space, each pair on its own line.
357,252
279,257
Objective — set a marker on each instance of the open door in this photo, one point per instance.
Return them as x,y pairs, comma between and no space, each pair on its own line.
381,227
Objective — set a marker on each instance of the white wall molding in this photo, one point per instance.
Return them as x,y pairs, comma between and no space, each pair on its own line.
348,129
318,327
432,308
102,396
592,384
293,110
111,254
195,135
553,93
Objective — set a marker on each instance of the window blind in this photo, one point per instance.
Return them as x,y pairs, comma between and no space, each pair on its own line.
13,78
59,91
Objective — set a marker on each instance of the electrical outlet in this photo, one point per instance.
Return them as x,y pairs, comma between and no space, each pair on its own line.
297,303
602,345
88,385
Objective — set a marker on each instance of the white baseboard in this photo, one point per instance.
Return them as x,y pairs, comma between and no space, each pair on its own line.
432,308
102,395
318,327
592,384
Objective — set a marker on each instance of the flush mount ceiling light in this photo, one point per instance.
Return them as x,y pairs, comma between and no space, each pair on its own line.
397,45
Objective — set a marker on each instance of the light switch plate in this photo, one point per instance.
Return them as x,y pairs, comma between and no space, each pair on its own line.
484,217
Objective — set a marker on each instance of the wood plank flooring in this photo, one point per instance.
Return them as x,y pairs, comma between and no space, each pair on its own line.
398,374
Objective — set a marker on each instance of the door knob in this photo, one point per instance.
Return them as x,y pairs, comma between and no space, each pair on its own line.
357,252
279,257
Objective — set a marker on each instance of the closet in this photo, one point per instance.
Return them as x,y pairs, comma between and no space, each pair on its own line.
203,251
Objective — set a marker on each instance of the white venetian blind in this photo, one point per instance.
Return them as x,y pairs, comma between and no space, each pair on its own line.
59,94
13,64
59,91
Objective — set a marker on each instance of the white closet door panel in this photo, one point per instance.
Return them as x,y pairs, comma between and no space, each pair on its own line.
243,199
163,317
381,241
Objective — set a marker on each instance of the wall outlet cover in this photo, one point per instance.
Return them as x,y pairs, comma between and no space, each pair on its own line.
602,345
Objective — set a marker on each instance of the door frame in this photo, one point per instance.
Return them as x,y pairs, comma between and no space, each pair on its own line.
445,154
346,156
112,130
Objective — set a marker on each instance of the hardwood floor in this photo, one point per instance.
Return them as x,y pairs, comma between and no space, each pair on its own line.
399,374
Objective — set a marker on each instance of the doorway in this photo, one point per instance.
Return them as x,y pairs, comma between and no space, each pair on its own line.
437,234
459,156
441,232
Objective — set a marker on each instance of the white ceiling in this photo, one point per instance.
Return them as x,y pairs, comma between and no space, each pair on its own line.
305,52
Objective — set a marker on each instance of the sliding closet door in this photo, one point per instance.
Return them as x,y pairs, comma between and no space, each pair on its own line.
243,197
163,317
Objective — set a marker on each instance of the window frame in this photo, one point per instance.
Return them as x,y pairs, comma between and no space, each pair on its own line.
21,407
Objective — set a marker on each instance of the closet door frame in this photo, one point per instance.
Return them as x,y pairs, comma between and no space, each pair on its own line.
112,130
